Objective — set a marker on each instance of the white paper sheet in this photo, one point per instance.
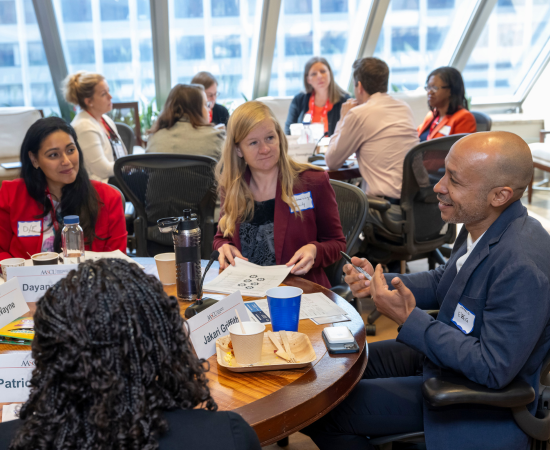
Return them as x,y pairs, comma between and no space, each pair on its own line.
311,305
252,280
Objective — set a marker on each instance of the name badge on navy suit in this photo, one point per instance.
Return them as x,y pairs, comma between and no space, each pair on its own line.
29,228
464,319
304,201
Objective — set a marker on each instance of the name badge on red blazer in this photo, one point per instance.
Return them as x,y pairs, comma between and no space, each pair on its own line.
29,228
304,201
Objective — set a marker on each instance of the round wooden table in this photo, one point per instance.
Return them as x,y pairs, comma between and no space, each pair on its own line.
279,403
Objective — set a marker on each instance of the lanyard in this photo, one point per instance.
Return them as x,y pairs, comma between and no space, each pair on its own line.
52,211
434,124
325,111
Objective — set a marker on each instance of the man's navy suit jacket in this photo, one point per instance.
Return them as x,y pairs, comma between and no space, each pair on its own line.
505,283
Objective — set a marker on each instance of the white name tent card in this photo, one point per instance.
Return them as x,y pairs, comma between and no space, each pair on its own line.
15,372
12,303
214,322
34,281
251,279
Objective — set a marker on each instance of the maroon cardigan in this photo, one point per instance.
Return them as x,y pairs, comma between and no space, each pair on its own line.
320,226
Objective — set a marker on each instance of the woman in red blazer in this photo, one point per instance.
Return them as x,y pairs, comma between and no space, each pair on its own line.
55,184
449,109
274,210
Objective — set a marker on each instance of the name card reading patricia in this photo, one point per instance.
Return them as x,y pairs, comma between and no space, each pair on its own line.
214,322
34,281
15,374
12,303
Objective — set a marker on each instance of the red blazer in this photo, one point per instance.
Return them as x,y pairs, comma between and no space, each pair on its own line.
462,121
16,205
320,226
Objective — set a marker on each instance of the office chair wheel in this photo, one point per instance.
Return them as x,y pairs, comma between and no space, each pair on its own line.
283,442
370,330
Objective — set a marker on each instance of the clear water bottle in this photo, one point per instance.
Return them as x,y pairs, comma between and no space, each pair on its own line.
72,241
187,246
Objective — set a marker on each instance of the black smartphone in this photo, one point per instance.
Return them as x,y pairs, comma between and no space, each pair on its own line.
348,260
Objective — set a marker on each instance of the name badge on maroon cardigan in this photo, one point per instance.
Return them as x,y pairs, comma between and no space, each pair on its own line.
304,201
29,228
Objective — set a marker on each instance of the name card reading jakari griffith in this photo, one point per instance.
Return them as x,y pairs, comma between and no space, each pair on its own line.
214,322
34,281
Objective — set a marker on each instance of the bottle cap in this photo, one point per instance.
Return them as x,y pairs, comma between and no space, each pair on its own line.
188,221
71,220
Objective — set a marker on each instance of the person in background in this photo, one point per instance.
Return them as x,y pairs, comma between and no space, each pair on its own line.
378,128
217,114
322,98
54,184
274,210
183,125
114,369
448,106
97,133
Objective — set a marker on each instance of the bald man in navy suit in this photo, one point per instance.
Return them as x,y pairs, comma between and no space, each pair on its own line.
493,297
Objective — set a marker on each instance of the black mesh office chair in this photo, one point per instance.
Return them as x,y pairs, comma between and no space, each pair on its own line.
127,135
414,229
443,392
352,208
483,121
161,185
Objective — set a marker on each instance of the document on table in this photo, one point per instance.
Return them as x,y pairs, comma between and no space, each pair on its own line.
252,280
312,305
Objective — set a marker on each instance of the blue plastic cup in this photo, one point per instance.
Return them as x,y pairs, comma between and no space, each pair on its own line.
284,307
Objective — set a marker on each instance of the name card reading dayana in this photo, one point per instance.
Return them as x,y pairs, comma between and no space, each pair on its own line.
214,322
12,303
34,281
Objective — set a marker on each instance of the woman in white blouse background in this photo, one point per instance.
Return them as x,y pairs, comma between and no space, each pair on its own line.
97,134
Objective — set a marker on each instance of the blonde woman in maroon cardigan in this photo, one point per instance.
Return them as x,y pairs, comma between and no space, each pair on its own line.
274,210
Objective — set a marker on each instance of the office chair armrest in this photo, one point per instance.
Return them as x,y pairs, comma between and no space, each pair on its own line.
447,390
378,203
543,134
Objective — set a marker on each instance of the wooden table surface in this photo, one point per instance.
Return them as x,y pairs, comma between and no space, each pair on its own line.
279,403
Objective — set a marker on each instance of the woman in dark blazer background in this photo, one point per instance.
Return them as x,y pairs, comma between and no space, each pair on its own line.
322,98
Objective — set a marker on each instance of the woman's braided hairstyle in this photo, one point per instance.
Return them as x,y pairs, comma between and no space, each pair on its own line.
112,353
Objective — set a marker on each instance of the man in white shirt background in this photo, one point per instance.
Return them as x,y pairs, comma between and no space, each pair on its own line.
378,128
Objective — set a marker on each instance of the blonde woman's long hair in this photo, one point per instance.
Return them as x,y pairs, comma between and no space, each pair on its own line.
230,171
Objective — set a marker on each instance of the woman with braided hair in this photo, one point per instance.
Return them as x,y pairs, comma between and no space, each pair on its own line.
114,370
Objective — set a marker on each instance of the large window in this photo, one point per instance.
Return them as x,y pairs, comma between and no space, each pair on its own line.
219,36
511,42
25,78
328,28
420,35
111,37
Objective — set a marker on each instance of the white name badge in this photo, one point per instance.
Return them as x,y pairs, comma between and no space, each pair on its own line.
214,322
30,228
15,374
446,130
12,303
34,281
464,319
304,201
